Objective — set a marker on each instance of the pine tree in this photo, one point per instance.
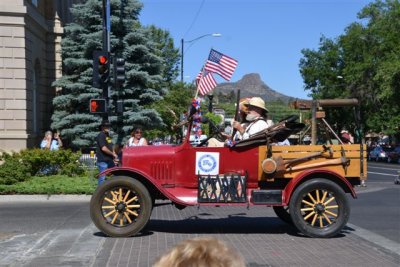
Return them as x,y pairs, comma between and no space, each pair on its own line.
144,68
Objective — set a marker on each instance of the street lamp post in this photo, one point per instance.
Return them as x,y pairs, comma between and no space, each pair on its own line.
191,41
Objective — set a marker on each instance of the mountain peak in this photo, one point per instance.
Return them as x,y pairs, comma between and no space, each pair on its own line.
251,85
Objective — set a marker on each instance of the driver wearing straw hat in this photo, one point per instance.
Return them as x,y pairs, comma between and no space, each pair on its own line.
256,118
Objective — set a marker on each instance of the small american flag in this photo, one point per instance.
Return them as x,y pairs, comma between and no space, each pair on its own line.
199,76
206,83
221,64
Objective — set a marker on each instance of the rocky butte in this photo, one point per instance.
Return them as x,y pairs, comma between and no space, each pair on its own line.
251,85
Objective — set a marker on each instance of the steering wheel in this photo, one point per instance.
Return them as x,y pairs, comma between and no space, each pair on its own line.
216,132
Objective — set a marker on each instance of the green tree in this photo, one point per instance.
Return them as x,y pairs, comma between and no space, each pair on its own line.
145,67
167,51
171,107
367,56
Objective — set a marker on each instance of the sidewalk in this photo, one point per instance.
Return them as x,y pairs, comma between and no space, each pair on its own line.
44,198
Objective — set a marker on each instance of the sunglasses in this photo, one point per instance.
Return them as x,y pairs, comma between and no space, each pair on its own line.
138,132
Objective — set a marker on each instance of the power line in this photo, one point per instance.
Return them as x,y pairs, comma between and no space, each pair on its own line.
195,18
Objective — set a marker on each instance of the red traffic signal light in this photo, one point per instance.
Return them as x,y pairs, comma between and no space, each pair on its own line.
101,69
98,106
103,59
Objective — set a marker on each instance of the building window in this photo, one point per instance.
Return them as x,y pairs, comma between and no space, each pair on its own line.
35,2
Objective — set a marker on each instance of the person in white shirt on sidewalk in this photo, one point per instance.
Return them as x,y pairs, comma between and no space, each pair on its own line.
136,138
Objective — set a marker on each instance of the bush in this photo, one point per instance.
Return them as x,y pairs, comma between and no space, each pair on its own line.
13,170
39,162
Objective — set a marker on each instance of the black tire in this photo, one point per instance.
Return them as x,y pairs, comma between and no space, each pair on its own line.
325,213
121,207
283,213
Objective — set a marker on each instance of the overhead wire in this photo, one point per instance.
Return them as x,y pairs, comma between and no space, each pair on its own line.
194,19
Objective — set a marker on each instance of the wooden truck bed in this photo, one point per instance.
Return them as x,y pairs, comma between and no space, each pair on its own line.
334,162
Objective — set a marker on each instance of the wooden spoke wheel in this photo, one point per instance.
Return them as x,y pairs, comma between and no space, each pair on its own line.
121,207
319,208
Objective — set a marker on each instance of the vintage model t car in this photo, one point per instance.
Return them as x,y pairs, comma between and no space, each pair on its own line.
306,185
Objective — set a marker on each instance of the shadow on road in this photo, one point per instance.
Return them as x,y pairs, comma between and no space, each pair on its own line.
234,224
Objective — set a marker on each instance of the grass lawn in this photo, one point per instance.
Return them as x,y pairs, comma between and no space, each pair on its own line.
56,184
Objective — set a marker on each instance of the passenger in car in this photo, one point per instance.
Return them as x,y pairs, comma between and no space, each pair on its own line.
256,117
243,111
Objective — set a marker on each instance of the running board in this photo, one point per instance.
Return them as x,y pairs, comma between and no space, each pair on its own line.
266,197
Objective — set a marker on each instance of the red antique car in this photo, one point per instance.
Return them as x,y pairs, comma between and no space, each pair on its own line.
305,184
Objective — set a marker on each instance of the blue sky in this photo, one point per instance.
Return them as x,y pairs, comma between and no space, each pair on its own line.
265,36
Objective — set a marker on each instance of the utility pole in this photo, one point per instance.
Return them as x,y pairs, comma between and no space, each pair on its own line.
182,42
106,48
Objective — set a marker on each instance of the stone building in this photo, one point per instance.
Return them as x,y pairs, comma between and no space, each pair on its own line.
30,37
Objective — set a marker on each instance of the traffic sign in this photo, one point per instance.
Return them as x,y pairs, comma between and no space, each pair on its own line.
98,106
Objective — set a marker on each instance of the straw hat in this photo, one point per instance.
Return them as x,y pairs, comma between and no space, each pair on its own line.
243,102
257,102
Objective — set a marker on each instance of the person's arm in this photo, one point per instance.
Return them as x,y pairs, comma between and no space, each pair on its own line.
238,127
44,144
102,143
109,152
58,138
144,142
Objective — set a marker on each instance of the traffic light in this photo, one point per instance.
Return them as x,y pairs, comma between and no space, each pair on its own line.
98,106
119,72
101,68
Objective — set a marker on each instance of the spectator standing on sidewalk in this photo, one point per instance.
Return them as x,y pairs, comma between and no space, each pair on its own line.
51,143
136,138
106,157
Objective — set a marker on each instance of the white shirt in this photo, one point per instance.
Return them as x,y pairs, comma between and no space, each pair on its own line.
53,146
284,143
131,143
256,126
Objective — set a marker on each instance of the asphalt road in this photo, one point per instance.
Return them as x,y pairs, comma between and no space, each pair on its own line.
377,207
60,233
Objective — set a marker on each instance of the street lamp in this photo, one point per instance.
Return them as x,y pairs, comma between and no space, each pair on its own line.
191,41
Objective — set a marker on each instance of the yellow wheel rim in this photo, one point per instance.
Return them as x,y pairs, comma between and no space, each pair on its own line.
120,206
319,208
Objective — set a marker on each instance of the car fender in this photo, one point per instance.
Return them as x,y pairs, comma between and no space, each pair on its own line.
132,172
319,173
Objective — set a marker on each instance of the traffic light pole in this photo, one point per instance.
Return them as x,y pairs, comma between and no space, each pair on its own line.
106,47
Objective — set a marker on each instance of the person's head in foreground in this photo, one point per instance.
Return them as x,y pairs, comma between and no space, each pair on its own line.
201,252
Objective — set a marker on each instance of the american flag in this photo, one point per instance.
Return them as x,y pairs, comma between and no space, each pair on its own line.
199,76
205,83
221,64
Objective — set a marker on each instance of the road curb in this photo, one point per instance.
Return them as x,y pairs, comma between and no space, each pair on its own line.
44,198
